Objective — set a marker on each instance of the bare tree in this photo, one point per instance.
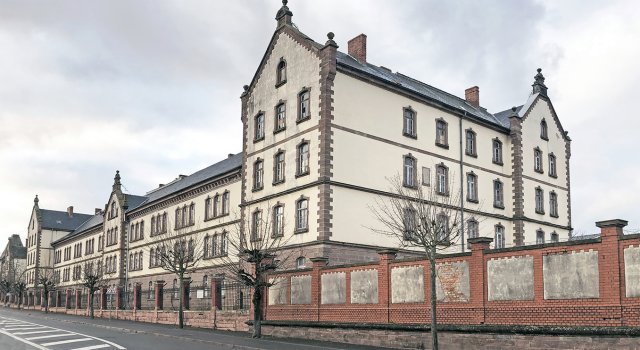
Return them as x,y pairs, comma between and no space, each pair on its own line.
429,219
48,282
92,279
256,249
178,251
19,280
5,287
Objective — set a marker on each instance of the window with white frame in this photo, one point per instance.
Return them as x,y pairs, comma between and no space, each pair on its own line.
410,223
442,133
281,117
303,159
537,160
553,204
472,228
539,237
259,127
442,177
256,225
539,199
304,111
472,187
470,146
498,194
301,262
409,171
409,122
258,173
278,220
552,165
499,237
278,167
302,215
497,151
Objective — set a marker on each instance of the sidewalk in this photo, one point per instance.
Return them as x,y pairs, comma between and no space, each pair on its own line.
227,339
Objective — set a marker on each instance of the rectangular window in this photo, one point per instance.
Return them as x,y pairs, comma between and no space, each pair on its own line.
259,127
225,203
281,117
472,229
409,172
258,173
540,237
441,133
470,148
278,171
497,152
409,123
499,239
304,112
553,204
409,223
278,220
552,166
472,188
539,201
498,195
537,160
303,159
256,222
302,215
426,176
443,180
442,229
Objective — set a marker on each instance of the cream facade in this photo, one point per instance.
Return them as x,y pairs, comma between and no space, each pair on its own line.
323,131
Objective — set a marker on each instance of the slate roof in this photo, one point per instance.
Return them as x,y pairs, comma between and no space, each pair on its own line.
503,116
60,220
15,248
223,167
427,91
92,222
134,201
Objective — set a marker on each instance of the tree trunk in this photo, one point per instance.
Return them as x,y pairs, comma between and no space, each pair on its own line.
180,311
46,301
434,296
257,312
91,293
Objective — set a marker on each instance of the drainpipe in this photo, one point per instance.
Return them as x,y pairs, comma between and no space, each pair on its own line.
462,224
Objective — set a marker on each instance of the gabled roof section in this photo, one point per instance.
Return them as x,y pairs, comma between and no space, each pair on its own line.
60,220
229,165
427,92
93,222
134,201
523,111
15,248
503,116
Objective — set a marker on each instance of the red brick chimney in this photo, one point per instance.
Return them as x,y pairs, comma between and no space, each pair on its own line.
472,95
70,211
358,48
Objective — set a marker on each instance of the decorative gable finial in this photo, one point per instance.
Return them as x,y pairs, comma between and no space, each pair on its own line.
538,84
330,41
284,14
36,200
116,181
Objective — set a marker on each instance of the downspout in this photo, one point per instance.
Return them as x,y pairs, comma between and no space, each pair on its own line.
462,225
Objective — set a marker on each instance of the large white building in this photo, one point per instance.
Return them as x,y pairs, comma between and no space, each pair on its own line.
322,131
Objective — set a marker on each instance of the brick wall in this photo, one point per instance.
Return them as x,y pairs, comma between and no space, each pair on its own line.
611,307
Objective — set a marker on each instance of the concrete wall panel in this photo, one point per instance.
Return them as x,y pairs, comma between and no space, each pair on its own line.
510,278
407,284
301,289
452,282
364,287
278,291
632,271
334,287
571,276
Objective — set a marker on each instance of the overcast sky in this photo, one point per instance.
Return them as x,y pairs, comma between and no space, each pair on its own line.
152,87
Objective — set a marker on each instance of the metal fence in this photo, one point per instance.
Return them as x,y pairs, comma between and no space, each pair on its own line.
171,298
63,300
82,302
96,301
127,299
71,303
232,296
199,297
148,299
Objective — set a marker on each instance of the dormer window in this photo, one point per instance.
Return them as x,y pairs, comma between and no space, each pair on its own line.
281,72
543,130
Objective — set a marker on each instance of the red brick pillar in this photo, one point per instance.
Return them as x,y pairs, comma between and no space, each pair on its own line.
316,264
78,299
185,293
384,279
119,301
478,276
159,294
137,296
609,263
103,298
214,297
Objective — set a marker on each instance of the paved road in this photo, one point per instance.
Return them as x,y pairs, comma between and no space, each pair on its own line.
28,330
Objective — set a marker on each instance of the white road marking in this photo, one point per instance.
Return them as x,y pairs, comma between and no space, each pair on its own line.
50,336
24,340
36,332
92,347
15,321
25,328
66,341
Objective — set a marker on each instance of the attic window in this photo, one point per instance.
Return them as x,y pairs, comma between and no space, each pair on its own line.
58,222
281,72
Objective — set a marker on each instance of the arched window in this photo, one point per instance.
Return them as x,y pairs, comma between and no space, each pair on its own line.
498,194
185,216
303,159
153,226
304,110
553,204
554,237
113,210
278,167
539,236
442,138
225,203
223,243
178,217
140,260
499,236
442,177
258,173
150,291
259,127
192,214
472,187
472,228
497,151
409,171
256,225
205,285
281,117
470,147
537,160
216,205
152,255
301,262
552,165
207,246
278,220
539,200
543,130
442,228
214,245
302,215
409,122
281,72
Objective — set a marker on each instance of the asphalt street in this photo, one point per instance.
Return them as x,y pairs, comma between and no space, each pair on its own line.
20,329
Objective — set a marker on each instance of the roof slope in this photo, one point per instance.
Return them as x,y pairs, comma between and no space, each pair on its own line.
60,220
427,91
92,222
223,167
